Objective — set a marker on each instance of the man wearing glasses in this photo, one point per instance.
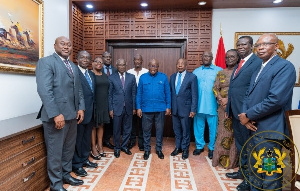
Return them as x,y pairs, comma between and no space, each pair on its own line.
153,102
207,105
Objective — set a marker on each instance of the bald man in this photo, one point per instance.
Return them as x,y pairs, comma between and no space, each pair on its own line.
59,87
268,97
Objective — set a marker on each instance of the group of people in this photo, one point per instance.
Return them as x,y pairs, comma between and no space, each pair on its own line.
81,107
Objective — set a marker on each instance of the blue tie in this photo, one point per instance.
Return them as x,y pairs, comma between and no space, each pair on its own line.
88,79
178,83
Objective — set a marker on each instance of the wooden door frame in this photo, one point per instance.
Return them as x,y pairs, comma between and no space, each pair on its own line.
111,44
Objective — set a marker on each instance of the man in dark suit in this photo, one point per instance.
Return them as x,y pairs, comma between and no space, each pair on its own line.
108,69
239,84
59,87
184,95
84,129
268,97
121,99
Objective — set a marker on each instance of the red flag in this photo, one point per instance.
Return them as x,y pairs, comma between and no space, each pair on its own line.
220,57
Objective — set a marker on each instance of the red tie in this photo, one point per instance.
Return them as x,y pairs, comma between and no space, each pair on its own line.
238,69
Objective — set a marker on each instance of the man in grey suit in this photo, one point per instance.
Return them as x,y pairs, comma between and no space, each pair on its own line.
60,90
121,99
84,129
239,84
268,97
184,95
108,69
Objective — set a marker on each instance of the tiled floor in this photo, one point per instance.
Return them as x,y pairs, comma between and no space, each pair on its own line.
171,173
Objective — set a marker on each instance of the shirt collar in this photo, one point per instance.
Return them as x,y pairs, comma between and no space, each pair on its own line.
82,69
210,67
182,73
107,66
121,74
63,59
247,57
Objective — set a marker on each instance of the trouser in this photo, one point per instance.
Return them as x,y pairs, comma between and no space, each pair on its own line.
199,126
147,119
83,145
122,123
137,124
60,144
182,131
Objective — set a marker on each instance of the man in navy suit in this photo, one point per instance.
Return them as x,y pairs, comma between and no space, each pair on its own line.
238,86
121,98
60,90
84,129
268,97
184,95
108,69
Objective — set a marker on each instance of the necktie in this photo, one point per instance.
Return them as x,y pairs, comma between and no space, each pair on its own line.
68,66
123,80
88,79
239,67
261,68
107,71
178,83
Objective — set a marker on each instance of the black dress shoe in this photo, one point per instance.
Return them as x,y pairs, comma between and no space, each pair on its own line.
244,186
117,153
176,152
131,144
126,150
146,155
72,181
141,148
80,172
235,175
95,157
185,154
90,164
61,189
198,151
160,154
210,154
109,145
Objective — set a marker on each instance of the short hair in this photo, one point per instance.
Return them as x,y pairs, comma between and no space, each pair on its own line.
98,57
138,56
83,51
105,53
119,60
250,39
235,50
184,61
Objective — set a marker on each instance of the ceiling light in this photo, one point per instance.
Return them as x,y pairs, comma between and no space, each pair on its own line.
202,3
89,6
277,1
144,4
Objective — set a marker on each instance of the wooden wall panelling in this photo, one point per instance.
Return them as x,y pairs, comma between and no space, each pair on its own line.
76,34
98,27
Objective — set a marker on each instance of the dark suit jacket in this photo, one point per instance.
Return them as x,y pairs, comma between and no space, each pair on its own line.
267,100
88,96
239,85
113,69
60,91
187,98
117,95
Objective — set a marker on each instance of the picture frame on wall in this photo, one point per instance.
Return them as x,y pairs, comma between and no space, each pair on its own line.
289,47
21,35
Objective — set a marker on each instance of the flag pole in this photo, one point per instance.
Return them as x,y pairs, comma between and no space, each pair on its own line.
221,31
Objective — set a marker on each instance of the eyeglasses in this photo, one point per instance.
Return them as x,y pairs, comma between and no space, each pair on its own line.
206,56
98,62
153,66
231,57
263,44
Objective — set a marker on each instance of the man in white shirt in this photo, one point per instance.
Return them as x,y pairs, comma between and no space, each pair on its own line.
137,71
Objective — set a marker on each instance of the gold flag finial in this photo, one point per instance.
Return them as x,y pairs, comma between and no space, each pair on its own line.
221,31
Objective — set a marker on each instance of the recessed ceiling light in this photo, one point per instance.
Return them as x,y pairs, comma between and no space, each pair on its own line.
277,1
144,4
202,3
89,6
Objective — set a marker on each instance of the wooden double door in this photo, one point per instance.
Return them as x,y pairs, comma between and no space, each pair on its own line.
166,55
